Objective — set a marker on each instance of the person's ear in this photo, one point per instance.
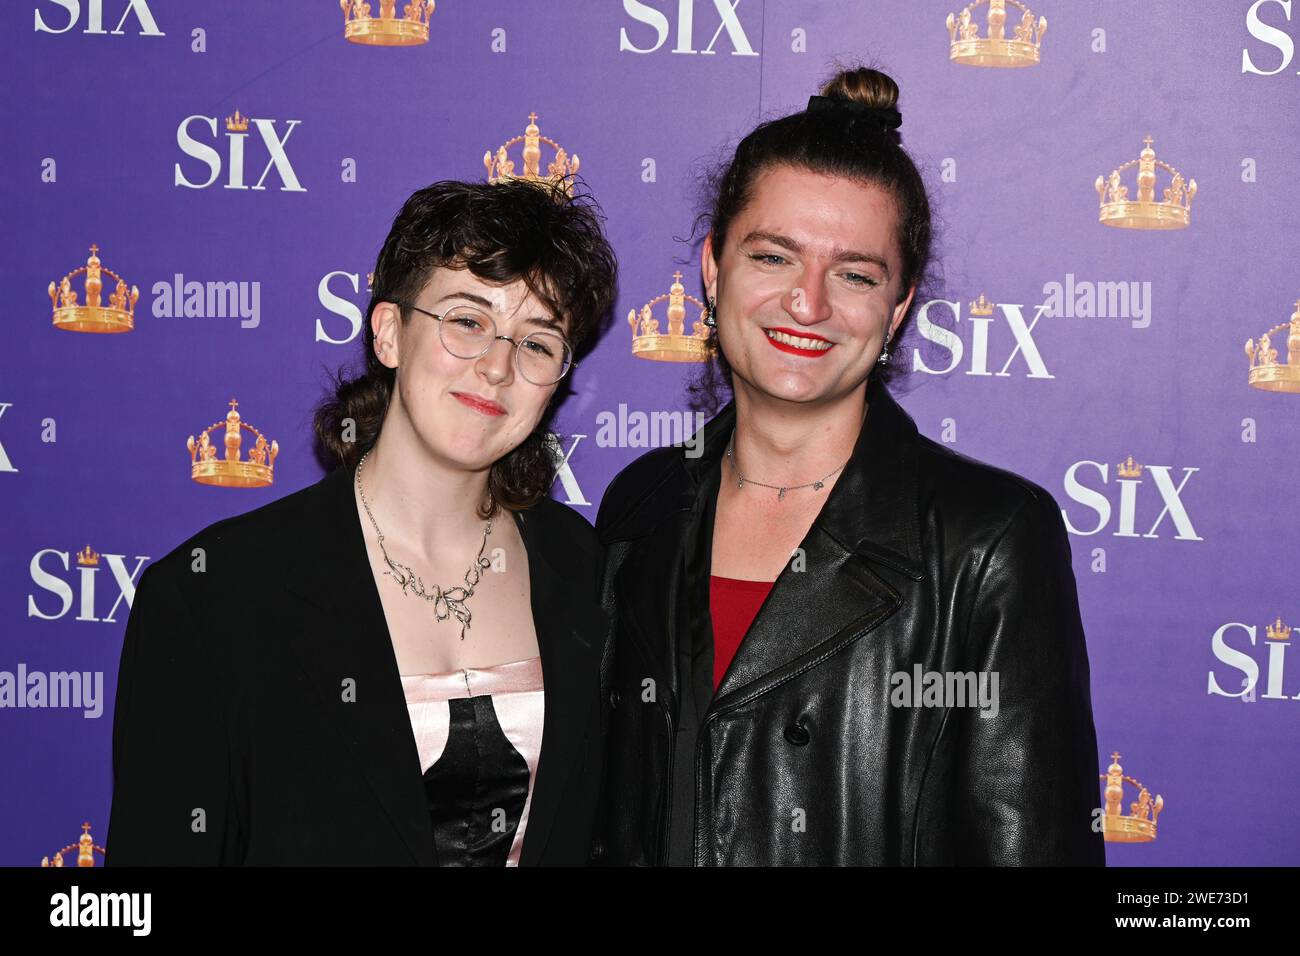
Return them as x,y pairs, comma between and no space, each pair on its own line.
709,269
900,312
386,321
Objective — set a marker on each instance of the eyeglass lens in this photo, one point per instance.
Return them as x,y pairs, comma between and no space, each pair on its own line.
542,357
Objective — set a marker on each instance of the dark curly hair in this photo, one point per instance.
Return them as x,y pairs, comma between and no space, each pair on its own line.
501,232
834,142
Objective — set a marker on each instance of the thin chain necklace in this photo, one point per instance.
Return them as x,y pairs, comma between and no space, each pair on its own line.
779,489
445,603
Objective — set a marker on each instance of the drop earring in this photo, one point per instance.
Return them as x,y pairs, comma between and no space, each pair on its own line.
710,314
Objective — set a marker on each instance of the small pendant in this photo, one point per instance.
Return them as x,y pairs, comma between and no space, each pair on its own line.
817,486
780,495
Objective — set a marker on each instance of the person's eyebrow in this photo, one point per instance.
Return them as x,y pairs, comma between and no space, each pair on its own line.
469,297
487,304
546,322
837,254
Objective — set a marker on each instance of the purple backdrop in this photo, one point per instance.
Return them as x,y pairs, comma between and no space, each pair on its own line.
1103,343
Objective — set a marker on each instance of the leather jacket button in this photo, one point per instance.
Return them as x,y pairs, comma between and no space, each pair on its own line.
597,850
614,698
797,734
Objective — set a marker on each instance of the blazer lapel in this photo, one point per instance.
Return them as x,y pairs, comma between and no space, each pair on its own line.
345,636
344,644
571,628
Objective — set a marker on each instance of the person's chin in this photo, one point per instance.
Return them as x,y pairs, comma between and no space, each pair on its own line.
791,385
471,449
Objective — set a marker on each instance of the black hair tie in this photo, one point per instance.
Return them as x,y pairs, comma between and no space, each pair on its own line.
888,117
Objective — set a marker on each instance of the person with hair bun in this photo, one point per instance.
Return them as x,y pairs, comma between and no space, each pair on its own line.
836,641
397,665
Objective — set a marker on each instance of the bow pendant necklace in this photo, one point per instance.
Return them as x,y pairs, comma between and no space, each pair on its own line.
446,603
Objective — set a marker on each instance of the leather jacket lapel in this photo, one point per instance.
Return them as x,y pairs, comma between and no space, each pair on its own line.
870,516
868,529
649,585
807,617
650,580
873,508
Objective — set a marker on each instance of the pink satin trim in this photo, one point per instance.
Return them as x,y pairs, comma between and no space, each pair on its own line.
517,698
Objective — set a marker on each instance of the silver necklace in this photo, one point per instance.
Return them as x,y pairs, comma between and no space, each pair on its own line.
779,489
445,603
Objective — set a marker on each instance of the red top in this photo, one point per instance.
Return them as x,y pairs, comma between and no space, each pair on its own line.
734,604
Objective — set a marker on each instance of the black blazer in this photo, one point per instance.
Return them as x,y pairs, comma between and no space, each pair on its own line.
234,739
921,557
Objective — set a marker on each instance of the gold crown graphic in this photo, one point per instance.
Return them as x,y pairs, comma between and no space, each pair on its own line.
676,346
995,50
237,123
560,172
1265,370
982,306
1174,211
1278,631
387,29
231,472
1139,826
88,557
91,316
1128,468
85,846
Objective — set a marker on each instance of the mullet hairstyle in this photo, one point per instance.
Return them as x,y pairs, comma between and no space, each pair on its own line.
500,232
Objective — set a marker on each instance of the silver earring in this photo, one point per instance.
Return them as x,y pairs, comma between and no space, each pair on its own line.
884,355
709,314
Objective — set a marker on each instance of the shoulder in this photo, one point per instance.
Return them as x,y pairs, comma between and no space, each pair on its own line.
986,501
641,486
563,528
243,545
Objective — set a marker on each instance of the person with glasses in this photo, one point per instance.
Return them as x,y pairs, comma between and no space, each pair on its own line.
399,663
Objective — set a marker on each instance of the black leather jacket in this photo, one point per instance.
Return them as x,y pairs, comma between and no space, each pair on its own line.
920,558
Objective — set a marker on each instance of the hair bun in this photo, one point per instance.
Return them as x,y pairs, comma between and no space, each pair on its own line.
864,91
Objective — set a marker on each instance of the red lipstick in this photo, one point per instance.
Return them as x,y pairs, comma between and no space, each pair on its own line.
794,349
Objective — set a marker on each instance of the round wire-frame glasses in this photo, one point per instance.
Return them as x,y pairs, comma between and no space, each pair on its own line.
541,357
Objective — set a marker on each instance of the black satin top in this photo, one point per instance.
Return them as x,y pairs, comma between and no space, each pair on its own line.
478,732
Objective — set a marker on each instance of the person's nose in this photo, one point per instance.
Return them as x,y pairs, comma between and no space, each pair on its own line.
809,302
497,364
